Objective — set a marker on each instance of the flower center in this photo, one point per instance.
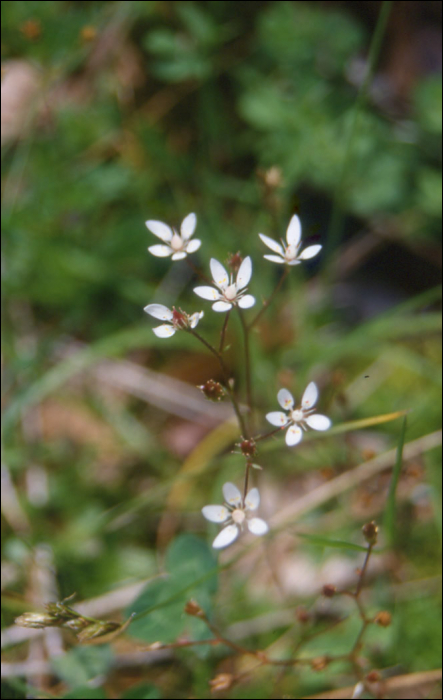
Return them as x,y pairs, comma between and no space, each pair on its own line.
238,516
230,292
297,416
176,242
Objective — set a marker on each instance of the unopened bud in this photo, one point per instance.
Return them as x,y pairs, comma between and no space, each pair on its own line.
383,618
221,682
193,608
97,629
212,390
37,620
234,261
329,590
319,663
370,532
302,614
373,677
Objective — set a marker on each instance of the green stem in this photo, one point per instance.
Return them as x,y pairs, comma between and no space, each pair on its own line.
268,302
223,332
247,365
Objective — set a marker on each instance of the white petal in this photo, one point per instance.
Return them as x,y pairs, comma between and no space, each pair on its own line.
232,494
216,514
179,256
318,422
293,435
219,274
164,331
158,228
195,318
160,251
193,245
257,526
159,311
293,234
309,252
221,306
274,258
293,262
188,226
252,500
310,396
273,245
244,273
247,301
285,399
207,293
277,418
225,537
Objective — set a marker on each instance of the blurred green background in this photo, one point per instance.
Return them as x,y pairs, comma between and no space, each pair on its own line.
246,112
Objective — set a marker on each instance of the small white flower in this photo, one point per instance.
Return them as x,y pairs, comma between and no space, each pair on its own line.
229,293
176,244
289,254
298,418
178,320
235,513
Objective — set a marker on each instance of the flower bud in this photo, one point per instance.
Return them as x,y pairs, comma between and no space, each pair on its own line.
37,620
329,590
370,532
302,614
383,618
248,447
373,677
212,390
234,261
193,608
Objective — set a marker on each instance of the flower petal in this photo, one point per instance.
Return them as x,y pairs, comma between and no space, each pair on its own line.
225,537
309,252
160,251
285,399
293,435
273,245
244,273
158,228
159,311
195,318
293,234
193,245
252,500
318,422
221,306
216,514
247,301
232,494
179,256
274,258
277,418
207,293
310,396
258,526
219,274
188,226
164,331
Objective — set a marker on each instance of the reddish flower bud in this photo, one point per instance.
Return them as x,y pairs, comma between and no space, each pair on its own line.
383,618
329,590
248,447
370,532
212,390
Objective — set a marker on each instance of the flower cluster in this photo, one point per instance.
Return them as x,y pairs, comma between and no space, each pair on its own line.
237,511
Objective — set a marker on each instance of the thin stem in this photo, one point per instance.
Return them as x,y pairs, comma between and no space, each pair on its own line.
245,488
247,365
268,302
270,434
363,571
223,331
226,381
198,272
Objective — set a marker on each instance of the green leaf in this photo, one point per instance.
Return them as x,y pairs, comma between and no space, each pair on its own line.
320,541
191,573
389,519
81,664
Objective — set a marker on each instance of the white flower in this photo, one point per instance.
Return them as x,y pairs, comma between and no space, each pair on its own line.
229,293
178,320
176,244
289,254
235,513
298,418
